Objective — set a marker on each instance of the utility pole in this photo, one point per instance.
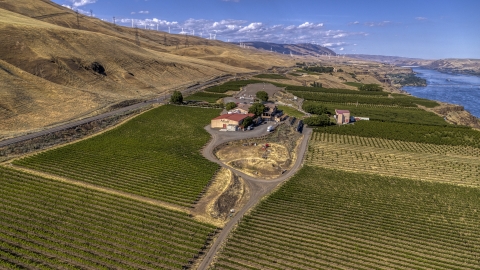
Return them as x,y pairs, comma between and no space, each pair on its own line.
91,13
186,40
78,19
137,39
114,22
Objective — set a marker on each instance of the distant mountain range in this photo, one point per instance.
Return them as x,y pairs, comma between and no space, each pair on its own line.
295,49
451,65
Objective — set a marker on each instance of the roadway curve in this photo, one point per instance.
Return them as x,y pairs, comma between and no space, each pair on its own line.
258,188
108,114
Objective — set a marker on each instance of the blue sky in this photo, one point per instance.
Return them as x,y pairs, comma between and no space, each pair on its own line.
409,28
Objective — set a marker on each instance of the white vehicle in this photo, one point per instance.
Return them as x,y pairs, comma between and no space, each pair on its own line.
270,128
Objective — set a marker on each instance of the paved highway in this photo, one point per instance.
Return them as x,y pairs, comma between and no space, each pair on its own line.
161,99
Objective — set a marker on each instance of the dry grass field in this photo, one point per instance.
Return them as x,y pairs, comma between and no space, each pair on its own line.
49,63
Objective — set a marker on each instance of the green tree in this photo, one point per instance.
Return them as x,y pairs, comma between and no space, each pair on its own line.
257,109
317,85
247,121
176,97
262,95
315,109
230,105
370,87
322,120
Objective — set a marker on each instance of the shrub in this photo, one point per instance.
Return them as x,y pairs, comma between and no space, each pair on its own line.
230,105
320,121
262,95
315,108
370,87
176,97
257,109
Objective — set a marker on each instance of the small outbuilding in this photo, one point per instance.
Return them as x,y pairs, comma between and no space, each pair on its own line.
342,116
240,109
270,111
226,120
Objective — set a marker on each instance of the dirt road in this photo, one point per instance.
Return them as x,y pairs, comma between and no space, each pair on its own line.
258,188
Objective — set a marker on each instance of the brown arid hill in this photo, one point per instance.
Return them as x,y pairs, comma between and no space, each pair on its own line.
451,65
52,72
463,66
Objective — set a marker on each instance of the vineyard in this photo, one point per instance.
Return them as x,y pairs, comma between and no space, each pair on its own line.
386,113
446,150
327,219
231,86
51,225
207,97
426,162
445,135
363,99
156,155
330,90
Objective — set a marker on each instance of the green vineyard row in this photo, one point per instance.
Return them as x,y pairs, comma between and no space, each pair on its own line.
386,113
328,219
156,155
431,134
51,225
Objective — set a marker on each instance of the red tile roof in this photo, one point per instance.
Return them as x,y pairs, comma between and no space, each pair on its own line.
234,116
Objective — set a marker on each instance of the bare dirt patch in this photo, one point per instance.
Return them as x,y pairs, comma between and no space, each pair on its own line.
258,160
227,192
266,157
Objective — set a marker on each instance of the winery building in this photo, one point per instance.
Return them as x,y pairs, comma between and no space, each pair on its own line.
342,116
225,120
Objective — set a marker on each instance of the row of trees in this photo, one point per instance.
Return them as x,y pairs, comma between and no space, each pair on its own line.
319,69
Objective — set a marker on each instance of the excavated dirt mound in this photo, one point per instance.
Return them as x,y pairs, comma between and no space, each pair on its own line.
255,158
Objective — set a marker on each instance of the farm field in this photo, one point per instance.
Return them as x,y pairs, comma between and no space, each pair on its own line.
386,113
155,155
363,99
328,219
291,111
207,97
431,134
231,86
271,76
329,90
418,161
47,224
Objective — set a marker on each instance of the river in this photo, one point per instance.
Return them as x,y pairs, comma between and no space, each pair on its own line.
458,89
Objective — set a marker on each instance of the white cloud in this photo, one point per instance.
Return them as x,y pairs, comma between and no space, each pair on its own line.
251,27
79,3
310,25
240,30
383,23
81,11
144,12
421,19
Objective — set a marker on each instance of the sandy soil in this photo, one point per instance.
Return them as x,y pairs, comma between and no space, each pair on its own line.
257,161
225,193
